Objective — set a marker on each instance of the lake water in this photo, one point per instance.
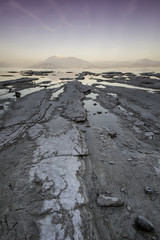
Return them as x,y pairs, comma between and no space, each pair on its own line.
61,76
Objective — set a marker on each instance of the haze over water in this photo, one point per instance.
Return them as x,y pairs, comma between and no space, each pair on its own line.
95,30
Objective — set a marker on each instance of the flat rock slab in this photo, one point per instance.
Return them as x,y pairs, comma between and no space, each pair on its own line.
106,201
144,224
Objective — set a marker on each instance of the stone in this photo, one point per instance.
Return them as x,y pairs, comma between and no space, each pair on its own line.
148,190
123,189
99,112
107,201
124,235
129,159
17,94
144,224
129,208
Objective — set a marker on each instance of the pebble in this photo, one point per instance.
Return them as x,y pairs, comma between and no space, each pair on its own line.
107,201
124,235
123,189
111,163
148,190
129,159
99,112
144,224
129,208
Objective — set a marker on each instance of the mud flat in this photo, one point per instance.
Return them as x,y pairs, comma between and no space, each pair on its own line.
80,159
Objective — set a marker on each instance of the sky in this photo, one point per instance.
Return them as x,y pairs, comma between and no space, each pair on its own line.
94,30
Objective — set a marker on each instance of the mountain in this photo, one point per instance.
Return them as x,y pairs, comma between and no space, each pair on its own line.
141,63
62,62
56,62
146,63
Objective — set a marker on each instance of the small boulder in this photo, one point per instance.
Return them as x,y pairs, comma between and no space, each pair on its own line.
107,201
17,94
144,224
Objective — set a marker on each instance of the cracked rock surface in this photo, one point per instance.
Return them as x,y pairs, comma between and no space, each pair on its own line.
80,162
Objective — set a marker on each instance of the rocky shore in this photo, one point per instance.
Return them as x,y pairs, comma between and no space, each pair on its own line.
80,158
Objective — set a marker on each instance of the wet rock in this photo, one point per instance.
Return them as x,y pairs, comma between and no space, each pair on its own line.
74,110
148,190
17,81
38,73
107,201
17,94
66,79
143,224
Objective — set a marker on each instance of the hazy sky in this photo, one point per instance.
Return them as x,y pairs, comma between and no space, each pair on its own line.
88,29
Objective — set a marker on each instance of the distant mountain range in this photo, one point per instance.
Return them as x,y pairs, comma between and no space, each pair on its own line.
58,62
63,62
141,63
72,62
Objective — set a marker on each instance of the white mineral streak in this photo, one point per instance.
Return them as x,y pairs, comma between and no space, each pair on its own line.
56,164
157,168
56,94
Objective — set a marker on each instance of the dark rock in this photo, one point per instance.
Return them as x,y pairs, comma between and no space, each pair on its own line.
117,101
66,79
143,224
99,112
107,201
17,94
19,81
112,134
94,104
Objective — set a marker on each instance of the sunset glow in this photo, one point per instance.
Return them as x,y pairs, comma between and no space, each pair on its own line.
90,29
